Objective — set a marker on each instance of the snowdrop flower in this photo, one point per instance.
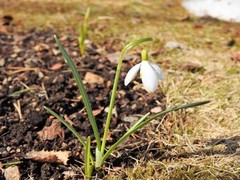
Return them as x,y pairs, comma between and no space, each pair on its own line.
150,73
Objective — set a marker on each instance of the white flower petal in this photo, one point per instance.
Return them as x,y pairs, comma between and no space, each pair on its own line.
131,74
158,70
149,76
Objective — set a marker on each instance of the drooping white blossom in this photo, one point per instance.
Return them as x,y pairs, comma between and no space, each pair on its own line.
150,73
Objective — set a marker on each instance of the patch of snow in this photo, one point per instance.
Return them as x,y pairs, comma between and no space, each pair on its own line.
227,10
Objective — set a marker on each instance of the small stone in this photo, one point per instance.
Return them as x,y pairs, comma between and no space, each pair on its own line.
92,78
74,54
13,55
8,148
64,146
133,106
114,111
113,57
56,66
18,150
175,45
156,109
55,52
130,119
12,173
2,62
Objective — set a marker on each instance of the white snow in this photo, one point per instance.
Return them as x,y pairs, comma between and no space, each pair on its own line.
227,10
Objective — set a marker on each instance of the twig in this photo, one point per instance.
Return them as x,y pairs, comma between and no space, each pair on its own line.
17,106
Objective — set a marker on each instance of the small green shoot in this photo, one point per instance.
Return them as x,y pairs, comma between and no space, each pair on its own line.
83,32
88,163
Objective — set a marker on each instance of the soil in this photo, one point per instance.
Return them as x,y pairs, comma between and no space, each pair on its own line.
33,74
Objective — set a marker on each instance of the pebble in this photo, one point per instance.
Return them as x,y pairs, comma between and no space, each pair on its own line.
175,45
8,148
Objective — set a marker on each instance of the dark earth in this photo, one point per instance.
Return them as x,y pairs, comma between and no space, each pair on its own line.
33,74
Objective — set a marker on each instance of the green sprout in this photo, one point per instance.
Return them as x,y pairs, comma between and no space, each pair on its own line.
101,151
83,33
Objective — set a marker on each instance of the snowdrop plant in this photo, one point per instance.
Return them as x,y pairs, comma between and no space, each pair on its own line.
150,83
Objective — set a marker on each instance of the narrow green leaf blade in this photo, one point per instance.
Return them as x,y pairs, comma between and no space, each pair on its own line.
78,136
82,90
87,163
143,121
175,108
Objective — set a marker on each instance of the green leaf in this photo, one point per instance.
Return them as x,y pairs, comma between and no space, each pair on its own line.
175,108
85,98
87,162
67,125
86,17
143,121
81,40
76,134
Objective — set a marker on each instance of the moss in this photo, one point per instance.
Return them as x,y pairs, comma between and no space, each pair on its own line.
233,70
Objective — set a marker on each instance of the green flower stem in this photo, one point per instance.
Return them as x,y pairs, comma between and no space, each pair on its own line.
114,90
144,55
87,163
